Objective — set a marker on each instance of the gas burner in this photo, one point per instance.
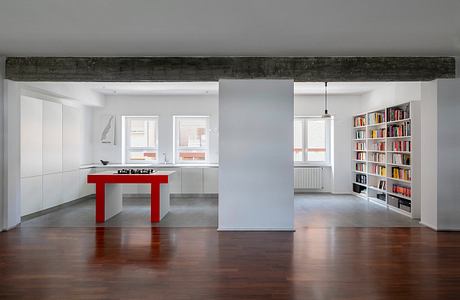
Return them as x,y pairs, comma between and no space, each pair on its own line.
136,171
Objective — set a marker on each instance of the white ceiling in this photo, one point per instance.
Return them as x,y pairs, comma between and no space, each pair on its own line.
202,88
229,27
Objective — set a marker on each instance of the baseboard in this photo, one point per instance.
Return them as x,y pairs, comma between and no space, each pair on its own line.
288,229
175,195
51,209
428,225
194,195
302,191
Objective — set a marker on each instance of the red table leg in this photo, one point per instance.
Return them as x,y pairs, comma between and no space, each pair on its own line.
100,202
155,202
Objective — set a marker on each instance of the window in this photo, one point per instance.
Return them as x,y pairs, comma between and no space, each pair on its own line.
141,139
191,139
311,140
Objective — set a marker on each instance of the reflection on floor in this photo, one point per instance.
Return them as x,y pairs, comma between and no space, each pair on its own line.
311,210
202,263
326,210
184,212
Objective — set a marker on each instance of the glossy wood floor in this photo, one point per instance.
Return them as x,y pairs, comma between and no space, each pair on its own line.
200,263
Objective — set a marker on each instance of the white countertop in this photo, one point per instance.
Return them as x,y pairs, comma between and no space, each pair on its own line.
161,173
208,165
99,165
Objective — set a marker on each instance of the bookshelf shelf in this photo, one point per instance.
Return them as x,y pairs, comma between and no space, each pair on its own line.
359,172
404,152
400,196
376,162
399,137
376,189
376,175
397,179
388,155
399,165
398,121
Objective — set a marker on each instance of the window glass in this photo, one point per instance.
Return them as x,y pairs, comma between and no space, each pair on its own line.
298,140
192,139
316,147
141,134
311,139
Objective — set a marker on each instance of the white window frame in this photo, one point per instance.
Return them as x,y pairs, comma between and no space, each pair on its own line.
328,137
126,139
178,148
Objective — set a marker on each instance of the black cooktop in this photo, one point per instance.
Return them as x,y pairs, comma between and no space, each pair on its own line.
136,171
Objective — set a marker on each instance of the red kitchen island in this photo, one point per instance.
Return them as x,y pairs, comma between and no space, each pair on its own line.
109,195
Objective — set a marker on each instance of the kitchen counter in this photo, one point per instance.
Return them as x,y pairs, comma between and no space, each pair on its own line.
208,165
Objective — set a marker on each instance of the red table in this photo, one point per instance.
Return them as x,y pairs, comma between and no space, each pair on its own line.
108,184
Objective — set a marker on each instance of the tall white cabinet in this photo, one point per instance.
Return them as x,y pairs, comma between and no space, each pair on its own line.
50,154
52,137
31,155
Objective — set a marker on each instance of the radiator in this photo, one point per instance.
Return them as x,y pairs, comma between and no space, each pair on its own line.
308,178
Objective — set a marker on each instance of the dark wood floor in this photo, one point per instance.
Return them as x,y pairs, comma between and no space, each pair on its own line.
200,263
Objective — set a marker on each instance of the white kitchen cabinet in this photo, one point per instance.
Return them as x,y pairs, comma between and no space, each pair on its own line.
70,138
31,195
52,137
174,180
192,181
31,137
210,180
52,190
85,189
70,185
143,189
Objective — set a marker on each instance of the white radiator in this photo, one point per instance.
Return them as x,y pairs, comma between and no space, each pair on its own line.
308,178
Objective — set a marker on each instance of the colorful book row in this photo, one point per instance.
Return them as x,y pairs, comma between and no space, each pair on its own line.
359,121
404,146
399,173
396,114
402,190
399,130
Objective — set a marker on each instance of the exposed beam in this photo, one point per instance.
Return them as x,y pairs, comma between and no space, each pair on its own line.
214,68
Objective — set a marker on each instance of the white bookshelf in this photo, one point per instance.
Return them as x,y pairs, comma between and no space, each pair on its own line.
381,170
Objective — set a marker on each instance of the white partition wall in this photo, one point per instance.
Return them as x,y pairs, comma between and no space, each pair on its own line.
256,186
70,138
440,148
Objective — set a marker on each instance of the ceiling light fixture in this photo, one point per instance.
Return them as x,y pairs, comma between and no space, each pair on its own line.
326,114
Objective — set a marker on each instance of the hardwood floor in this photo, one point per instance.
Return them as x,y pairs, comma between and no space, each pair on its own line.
200,263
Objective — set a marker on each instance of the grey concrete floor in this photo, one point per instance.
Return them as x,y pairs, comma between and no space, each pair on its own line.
311,210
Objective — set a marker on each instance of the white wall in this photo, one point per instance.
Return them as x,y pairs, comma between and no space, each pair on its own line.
256,178
342,107
392,93
86,135
73,91
163,106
